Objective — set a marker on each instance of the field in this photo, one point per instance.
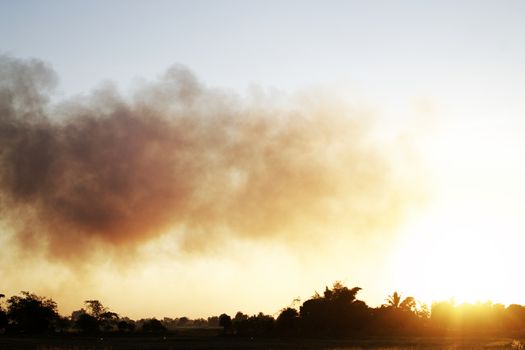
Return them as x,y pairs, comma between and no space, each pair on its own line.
172,342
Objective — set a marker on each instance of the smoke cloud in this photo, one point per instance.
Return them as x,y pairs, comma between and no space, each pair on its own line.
178,157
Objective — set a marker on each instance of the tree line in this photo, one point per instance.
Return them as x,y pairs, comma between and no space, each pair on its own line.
335,312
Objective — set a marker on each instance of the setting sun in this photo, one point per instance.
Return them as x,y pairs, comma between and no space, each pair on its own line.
324,167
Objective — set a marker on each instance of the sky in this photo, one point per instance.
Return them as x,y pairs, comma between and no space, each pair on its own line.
214,156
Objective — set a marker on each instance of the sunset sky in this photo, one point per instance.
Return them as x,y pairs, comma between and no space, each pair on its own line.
189,158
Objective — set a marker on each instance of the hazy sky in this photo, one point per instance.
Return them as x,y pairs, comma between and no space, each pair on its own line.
438,87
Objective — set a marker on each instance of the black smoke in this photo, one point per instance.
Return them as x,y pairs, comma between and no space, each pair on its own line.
107,170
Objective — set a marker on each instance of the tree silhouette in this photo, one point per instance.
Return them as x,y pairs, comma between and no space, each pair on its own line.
3,316
408,304
87,323
3,320
126,326
225,322
108,321
96,317
95,308
213,321
398,316
394,300
30,313
256,325
153,326
336,312
288,321
515,317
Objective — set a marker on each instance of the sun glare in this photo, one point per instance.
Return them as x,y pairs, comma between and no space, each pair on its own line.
448,256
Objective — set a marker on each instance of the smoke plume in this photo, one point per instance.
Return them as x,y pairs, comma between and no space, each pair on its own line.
107,170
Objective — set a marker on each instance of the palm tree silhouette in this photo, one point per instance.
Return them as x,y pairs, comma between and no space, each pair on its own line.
395,301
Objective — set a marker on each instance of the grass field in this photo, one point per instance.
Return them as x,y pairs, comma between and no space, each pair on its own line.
172,342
